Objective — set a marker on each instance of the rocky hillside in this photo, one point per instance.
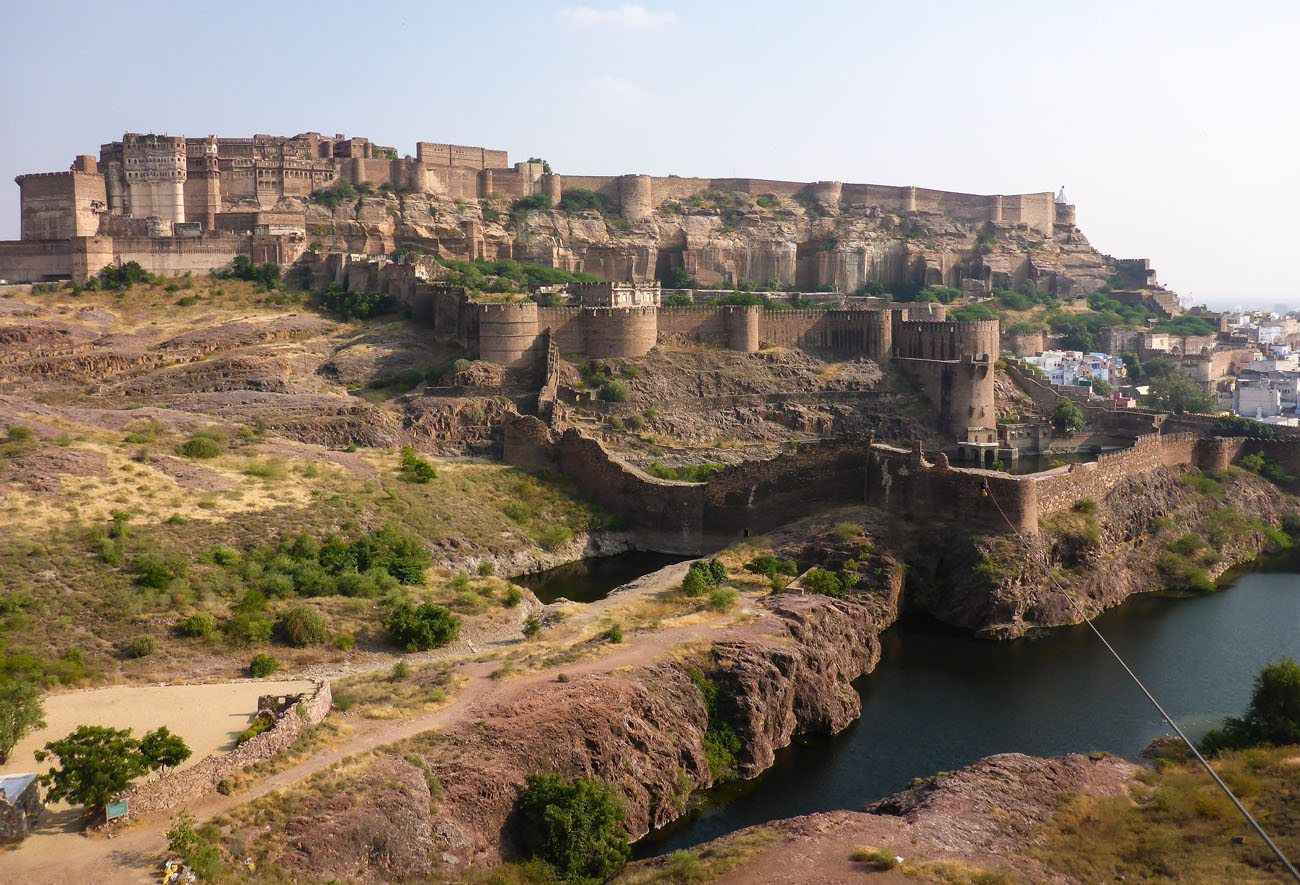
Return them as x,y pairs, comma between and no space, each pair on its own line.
699,405
643,729
1013,818
722,236
1171,528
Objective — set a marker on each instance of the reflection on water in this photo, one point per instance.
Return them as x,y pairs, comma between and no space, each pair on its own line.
940,700
590,579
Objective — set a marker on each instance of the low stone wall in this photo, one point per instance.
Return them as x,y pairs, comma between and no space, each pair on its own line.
177,787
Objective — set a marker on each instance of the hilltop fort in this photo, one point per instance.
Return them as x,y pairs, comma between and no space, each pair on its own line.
175,204
353,213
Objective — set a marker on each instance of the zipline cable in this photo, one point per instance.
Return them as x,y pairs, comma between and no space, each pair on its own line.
1227,791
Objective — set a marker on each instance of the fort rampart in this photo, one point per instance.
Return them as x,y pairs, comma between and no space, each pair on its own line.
757,496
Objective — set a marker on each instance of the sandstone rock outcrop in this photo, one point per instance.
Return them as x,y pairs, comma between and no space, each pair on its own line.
641,729
980,818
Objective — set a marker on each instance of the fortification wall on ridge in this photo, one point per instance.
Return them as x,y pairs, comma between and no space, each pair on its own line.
701,325
756,496
668,515
565,324
1059,489
1037,210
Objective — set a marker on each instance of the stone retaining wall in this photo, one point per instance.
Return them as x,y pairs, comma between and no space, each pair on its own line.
177,787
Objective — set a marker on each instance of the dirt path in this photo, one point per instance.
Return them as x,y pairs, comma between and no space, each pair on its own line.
132,855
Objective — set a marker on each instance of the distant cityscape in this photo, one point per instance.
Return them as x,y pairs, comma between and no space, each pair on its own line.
1251,366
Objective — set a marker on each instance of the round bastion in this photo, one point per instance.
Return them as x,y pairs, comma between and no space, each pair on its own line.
507,333
635,197
619,331
743,325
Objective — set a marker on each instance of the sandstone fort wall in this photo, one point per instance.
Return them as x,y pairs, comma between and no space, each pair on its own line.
669,515
619,331
57,205
757,496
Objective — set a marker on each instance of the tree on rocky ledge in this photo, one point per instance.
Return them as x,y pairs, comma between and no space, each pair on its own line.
575,826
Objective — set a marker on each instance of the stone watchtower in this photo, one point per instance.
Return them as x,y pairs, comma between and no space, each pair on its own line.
635,197
954,364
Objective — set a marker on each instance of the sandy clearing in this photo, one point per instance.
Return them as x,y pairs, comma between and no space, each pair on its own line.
208,717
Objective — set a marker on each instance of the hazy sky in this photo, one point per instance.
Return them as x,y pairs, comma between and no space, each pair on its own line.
1174,126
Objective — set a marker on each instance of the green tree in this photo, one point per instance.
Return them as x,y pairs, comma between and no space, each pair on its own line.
1238,425
1067,417
530,202
422,628
1174,393
415,468
819,580
971,313
162,749
1273,716
95,763
576,826
21,712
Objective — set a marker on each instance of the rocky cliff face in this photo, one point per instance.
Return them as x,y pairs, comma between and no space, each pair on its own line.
1167,527
956,827
641,729
721,237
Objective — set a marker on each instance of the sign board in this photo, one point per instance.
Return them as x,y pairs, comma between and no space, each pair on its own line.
115,810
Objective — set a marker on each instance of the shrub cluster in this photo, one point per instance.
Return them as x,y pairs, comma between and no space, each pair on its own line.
823,581
415,468
424,627
243,268
262,665
203,444
1265,467
1237,425
722,744
574,826
124,276
685,473
701,576
355,305
508,276
1273,716
580,199
771,566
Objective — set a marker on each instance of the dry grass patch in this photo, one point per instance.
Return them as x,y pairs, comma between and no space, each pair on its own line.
704,864
390,695
1178,825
